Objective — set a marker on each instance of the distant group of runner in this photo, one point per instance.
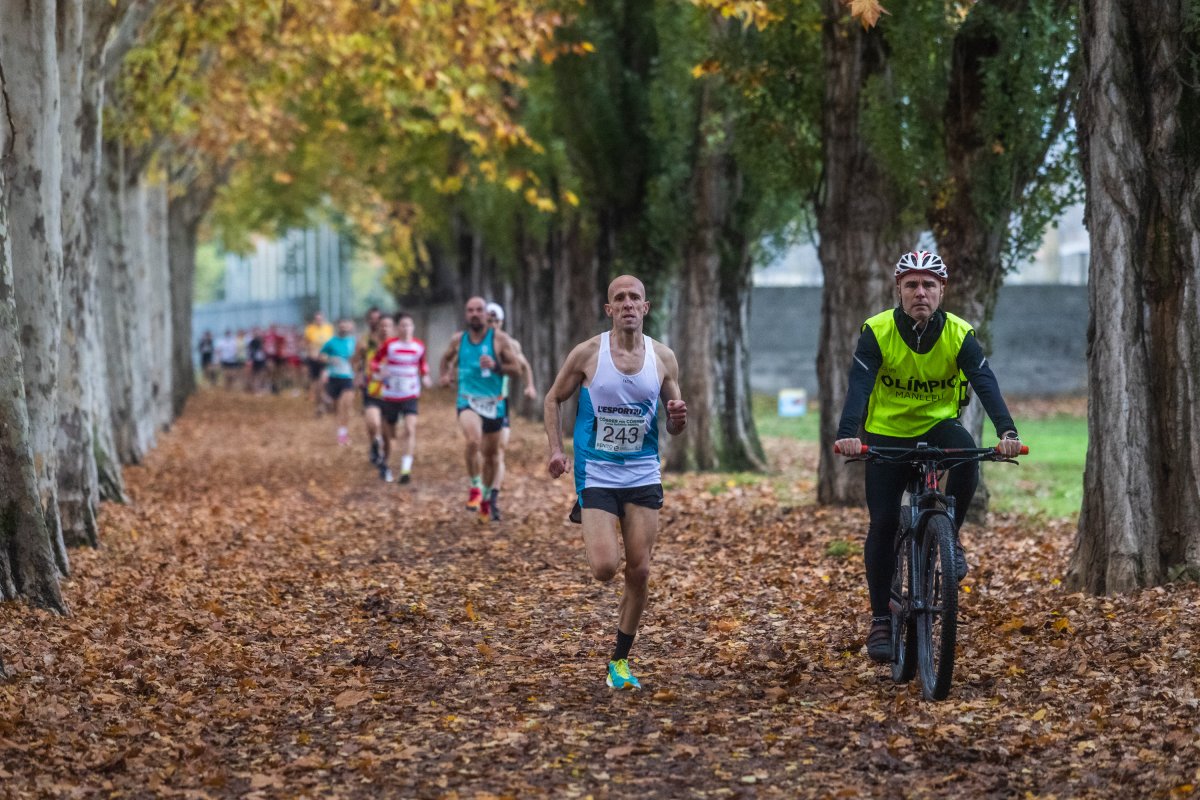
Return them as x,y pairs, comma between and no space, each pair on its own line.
387,367
257,360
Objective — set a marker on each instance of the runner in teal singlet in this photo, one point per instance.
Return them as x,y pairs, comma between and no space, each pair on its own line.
339,376
484,357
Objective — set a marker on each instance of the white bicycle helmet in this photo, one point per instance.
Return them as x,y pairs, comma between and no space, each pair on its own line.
921,261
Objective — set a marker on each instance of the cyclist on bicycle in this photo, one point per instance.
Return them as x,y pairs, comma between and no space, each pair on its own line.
909,377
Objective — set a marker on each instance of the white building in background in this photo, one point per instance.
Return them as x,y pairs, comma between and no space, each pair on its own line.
1063,257
1061,260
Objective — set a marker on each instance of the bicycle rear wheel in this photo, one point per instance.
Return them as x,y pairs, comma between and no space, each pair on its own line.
904,630
937,607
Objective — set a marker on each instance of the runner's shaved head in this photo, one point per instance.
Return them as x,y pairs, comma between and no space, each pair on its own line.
476,310
624,281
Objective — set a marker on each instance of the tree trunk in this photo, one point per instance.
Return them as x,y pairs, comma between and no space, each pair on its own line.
709,338
78,491
118,301
28,563
99,21
532,291
181,238
860,236
969,243
156,266
27,39
184,213
1139,114
972,239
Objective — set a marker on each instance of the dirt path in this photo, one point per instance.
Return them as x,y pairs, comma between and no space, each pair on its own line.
267,618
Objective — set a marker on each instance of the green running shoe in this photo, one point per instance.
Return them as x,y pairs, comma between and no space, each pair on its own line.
619,676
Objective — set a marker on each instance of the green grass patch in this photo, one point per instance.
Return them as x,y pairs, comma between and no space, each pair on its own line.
1050,479
842,549
769,423
732,480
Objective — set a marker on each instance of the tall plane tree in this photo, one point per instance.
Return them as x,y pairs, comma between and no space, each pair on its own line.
709,332
1139,129
974,128
860,225
28,41
32,554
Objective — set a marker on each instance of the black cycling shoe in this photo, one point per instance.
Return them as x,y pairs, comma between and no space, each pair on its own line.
879,639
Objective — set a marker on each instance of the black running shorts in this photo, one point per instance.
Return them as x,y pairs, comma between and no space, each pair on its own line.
335,386
489,425
393,409
614,500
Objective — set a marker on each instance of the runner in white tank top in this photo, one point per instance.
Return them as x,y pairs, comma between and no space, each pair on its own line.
620,375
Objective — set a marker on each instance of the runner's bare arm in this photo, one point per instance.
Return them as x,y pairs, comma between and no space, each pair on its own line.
508,362
570,377
450,355
670,394
358,359
526,370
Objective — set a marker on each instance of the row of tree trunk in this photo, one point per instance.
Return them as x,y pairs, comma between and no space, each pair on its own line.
87,318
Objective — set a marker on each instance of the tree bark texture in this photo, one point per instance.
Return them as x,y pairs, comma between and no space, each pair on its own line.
27,39
969,243
858,224
531,294
78,490
184,213
28,564
560,298
1139,122
156,267
99,21
182,223
117,300
708,330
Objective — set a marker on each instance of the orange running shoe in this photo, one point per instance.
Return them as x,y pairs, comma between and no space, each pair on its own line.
474,499
485,511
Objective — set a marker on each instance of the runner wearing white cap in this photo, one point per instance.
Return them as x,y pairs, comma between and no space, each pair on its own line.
495,318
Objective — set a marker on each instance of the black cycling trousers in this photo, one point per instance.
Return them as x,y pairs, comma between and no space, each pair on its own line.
885,487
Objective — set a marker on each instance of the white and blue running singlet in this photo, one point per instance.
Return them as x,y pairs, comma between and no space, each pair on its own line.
616,426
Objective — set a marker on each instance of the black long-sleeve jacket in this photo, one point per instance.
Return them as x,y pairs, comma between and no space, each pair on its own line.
868,358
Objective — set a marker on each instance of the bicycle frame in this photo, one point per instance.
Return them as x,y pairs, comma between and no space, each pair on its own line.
924,596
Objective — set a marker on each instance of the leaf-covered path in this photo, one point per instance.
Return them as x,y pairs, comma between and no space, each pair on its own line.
267,618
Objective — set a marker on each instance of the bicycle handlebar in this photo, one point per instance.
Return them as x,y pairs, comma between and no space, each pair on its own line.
928,450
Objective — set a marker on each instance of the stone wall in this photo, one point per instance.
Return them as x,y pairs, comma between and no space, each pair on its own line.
1038,339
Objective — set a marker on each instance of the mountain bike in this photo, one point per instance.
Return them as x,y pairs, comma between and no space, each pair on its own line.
924,601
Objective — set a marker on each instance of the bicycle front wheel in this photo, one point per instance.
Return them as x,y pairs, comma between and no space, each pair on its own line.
904,632
937,607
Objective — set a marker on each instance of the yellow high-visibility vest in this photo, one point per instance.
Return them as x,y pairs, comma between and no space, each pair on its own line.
914,392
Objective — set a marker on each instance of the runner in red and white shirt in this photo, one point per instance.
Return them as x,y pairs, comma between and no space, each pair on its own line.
400,367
